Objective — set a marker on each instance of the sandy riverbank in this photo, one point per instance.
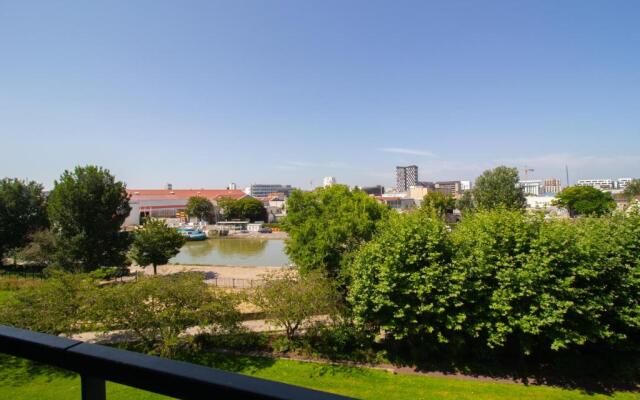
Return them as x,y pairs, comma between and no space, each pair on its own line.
214,271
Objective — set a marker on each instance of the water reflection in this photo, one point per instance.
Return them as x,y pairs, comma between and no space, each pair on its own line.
225,251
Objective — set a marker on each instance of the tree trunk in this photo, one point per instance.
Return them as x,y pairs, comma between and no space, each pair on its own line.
154,270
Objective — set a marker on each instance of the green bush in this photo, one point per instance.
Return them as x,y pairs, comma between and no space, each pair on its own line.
502,280
108,273
158,310
57,305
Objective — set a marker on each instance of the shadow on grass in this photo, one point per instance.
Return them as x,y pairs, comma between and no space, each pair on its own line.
595,371
227,361
16,371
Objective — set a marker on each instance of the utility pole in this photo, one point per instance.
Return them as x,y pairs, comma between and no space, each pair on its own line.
566,170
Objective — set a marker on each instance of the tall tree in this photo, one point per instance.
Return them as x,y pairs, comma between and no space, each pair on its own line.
499,188
245,208
87,208
200,208
633,189
155,244
327,224
22,212
585,200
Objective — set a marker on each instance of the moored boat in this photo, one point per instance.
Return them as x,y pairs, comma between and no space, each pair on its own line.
192,234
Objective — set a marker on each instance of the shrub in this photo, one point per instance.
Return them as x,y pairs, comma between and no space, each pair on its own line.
290,300
402,282
158,310
57,305
502,280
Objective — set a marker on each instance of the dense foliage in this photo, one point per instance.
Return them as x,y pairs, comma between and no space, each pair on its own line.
438,204
327,224
87,208
245,208
585,200
499,188
201,208
157,310
22,212
502,280
633,189
290,300
155,243
40,249
57,305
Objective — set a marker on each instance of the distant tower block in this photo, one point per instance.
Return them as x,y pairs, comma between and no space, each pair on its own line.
328,181
232,186
406,177
169,186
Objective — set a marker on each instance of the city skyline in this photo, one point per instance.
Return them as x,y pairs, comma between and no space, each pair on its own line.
290,93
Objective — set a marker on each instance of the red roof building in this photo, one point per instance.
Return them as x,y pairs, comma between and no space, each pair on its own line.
167,203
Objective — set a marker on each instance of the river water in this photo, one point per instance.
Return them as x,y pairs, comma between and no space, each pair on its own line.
225,251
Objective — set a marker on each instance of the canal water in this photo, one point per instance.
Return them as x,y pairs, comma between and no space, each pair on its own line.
225,251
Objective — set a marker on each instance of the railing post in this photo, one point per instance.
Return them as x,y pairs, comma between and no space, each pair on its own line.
93,388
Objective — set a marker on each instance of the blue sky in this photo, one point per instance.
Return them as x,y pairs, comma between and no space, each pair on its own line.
203,93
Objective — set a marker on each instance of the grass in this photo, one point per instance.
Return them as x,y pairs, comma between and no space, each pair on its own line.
20,379
4,294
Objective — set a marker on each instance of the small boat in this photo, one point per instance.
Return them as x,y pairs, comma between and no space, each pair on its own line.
192,234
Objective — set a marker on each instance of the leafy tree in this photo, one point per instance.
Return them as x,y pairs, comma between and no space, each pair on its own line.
87,208
502,281
245,208
633,189
156,311
58,305
291,300
499,188
200,208
40,249
155,243
438,204
401,281
327,224
22,212
585,200
466,202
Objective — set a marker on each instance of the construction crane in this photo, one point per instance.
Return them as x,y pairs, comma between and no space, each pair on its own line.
526,172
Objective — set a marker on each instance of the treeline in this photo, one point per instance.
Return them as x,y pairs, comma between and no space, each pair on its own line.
500,281
77,226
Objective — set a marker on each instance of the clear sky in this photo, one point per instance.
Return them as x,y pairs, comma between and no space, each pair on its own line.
203,93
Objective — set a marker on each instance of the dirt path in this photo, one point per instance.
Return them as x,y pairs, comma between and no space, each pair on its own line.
212,271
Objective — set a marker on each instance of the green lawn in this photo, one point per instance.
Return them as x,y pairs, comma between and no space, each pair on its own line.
22,380
4,294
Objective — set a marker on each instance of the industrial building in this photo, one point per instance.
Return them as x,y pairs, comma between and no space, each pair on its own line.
167,203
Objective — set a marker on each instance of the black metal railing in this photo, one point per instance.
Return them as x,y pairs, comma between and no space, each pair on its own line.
97,364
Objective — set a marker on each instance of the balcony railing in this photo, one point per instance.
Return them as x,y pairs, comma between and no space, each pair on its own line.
97,364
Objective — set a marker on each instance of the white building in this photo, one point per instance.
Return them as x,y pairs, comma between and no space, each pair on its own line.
532,187
465,185
263,190
539,202
622,183
602,184
328,181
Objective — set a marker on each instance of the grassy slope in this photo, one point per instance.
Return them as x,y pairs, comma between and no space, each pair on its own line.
4,294
22,380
